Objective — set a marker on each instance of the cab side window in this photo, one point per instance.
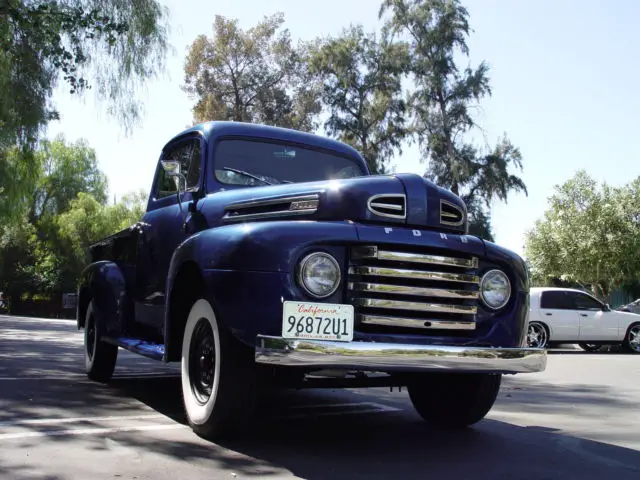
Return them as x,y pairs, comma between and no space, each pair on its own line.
188,154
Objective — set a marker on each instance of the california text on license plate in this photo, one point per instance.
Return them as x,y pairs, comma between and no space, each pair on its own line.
317,321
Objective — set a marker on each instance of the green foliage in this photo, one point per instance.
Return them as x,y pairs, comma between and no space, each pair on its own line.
250,76
361,77
113,45
443,100
88,221
61,209
18,177
590,235
66,169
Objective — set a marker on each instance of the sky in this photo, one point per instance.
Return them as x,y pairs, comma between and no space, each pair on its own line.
563,75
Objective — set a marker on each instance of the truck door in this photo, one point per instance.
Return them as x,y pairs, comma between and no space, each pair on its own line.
164,227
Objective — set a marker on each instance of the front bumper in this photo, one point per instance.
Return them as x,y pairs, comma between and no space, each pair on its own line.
392,357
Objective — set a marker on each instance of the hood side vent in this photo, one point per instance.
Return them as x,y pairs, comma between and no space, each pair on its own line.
451,214
272,207
388,205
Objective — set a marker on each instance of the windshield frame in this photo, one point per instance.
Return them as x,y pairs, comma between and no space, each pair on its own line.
218,184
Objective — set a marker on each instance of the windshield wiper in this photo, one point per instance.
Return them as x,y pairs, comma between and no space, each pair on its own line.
247,174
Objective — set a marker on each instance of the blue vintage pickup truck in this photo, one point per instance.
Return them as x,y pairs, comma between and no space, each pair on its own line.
269,257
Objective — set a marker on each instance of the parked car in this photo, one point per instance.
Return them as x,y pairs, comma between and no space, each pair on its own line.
267,254
566,315
633,307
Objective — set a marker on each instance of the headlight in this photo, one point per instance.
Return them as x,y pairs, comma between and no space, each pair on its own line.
495,289
319,274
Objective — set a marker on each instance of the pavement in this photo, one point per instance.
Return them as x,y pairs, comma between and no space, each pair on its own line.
578,419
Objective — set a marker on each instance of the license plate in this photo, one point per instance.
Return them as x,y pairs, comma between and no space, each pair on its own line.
317,321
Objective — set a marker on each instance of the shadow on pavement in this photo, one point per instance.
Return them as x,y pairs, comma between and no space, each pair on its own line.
376,445
396,444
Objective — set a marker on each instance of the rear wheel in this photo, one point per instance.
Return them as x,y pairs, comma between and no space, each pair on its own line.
218,376
454,400
99,357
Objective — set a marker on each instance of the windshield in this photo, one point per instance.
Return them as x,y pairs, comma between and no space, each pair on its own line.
250,162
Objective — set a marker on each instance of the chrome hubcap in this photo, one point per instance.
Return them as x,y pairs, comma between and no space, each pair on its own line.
634,338
536,336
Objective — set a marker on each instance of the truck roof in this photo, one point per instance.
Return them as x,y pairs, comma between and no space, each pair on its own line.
224,128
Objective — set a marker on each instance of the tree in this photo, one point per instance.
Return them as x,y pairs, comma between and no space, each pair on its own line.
87,221
361,77
442,103
589,235
18,178
112,45
250,76
66,169
43,247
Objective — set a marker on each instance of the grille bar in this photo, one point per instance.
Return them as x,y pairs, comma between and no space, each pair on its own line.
411,290
391,288
415,306
403,322
393,256
413,274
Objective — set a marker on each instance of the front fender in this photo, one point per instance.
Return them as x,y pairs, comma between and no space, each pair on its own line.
259,246
104,283
244,261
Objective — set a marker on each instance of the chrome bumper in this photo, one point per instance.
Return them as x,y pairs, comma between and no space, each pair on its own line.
392,357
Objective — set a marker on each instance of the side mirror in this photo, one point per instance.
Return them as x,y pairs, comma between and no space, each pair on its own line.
607,308
172,168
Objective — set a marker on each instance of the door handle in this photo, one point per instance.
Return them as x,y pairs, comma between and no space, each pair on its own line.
548,314
583,315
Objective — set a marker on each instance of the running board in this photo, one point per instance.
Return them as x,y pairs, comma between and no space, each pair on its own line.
141,347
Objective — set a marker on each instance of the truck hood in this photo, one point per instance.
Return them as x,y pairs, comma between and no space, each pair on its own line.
402,199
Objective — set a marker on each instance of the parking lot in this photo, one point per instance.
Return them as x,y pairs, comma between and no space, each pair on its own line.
579,419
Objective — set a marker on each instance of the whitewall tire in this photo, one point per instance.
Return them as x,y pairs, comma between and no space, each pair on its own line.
217,375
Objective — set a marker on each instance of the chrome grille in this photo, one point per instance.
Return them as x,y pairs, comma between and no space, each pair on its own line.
392,288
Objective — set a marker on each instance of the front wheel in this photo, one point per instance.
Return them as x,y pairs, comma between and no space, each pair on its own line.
537,335
454,400
218,376
632,339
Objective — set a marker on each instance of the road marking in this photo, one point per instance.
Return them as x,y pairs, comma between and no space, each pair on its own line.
89,431
54,421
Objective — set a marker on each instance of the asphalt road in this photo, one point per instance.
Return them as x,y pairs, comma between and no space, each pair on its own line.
579,419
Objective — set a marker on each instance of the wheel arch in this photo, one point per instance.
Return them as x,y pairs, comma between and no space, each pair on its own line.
105,284
187,285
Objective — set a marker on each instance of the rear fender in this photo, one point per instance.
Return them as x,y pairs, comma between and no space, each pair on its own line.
104,283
